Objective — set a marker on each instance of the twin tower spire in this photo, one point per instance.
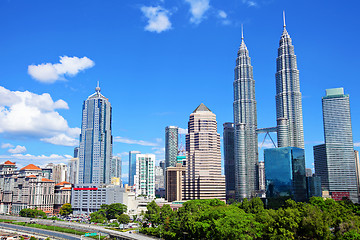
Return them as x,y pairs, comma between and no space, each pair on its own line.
288,111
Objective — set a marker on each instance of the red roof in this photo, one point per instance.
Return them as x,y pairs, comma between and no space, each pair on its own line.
65,188
46,180
9,163
62,183
30,167
31,176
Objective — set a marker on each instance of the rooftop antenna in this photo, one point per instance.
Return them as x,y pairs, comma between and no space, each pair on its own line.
284,19
97,89
242,31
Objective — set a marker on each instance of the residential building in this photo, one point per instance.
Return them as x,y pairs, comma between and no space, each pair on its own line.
159,177
62,195
229,159
285,173
174,182
95,152
73,170
335,160
59,173
8,171
132,166
145,175
288,96
47,171
203,179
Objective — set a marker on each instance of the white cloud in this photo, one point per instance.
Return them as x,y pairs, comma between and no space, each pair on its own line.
183,131
250,3
23,160
131,141
50,73
7,145
62,140
18,149
158,19
31,115
267,144
198,8
357,144
222,14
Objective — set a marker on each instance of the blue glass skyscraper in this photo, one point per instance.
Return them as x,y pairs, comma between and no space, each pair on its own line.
132,166
95,151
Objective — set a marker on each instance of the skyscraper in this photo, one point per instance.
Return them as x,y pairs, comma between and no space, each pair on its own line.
335,160
73,170
229,159
132,166
116,167
203,179
245,121
171,146
95,151
288,96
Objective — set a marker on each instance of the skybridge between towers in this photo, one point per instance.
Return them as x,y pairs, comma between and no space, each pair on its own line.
267,132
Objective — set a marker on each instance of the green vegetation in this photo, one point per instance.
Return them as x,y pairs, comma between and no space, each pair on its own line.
6,220
66,209
32,213
107,212
213,219
123,219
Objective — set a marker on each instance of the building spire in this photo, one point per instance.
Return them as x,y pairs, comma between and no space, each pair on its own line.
284,19
242,32
97,89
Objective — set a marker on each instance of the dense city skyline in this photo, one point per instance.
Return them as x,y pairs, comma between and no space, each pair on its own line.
147,56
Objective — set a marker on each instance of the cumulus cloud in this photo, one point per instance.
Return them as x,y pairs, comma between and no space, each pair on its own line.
223,17
158,19
17,149
7,145
222,14
137,142
23,160
61,139
198,8
50,73
29,114
357,144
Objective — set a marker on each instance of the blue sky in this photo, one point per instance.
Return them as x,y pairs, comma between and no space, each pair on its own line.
156,62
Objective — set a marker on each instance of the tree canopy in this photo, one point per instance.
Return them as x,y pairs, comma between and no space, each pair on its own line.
213,219
66,209
107,212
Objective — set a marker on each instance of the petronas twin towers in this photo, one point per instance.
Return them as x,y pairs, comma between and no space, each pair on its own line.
288,112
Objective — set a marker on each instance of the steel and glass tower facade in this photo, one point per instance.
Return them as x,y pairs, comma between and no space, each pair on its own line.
335,160
171,146
288,96
95,151
132,166
245,122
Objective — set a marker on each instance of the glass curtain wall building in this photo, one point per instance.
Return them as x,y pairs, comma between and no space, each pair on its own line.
171,146
285,173
229,159
335,160
132,166
95,152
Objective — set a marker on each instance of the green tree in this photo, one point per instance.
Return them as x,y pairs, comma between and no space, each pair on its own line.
123,219
66,209
114,210
98,216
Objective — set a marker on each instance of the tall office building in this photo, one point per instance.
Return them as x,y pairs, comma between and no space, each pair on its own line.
60,173
245,121
132,166
203,179
171,146
145,175
115,170
357,164
229,159
95,151
335,160
288,96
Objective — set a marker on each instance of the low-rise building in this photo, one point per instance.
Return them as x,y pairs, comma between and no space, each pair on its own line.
62,195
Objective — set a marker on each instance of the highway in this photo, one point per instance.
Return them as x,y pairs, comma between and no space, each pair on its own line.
83,227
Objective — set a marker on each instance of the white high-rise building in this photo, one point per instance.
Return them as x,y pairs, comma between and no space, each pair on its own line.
145,175
73,170
59,173
95,151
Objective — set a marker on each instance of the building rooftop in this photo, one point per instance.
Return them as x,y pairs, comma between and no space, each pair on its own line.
62,183
31,176
46,180
30,167
202,108
9,163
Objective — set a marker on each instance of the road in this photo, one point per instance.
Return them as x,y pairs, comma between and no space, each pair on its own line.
83,227
43,232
